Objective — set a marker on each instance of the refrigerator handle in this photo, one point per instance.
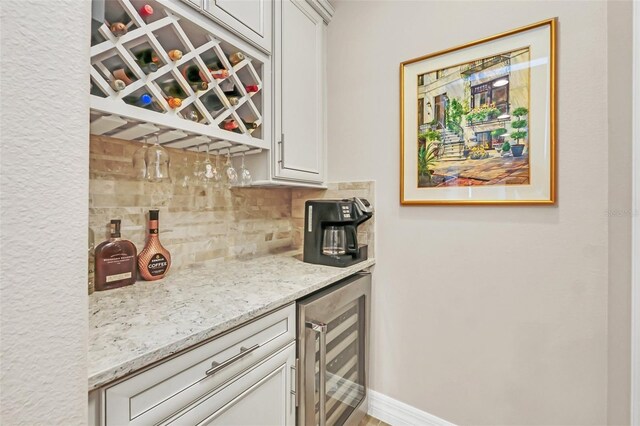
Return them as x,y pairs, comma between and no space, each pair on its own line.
321,329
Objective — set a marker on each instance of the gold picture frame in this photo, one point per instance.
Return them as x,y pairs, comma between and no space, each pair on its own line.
457,150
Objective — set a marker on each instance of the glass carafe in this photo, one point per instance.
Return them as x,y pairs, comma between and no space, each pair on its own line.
334,241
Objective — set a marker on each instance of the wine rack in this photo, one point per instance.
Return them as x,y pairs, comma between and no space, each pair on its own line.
194,121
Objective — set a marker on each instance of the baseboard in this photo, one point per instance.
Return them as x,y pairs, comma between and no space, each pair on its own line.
398,413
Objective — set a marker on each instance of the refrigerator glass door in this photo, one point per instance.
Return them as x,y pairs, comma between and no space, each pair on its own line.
335,356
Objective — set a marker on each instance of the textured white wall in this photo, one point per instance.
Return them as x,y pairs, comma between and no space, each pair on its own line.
43,223
482,315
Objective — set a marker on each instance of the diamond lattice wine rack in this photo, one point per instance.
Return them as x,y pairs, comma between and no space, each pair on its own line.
155,69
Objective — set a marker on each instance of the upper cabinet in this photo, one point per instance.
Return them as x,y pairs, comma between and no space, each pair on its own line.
252,19
299,92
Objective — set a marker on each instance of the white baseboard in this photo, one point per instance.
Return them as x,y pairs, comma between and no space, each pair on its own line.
398,413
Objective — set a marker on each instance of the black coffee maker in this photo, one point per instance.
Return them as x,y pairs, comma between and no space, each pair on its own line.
330,231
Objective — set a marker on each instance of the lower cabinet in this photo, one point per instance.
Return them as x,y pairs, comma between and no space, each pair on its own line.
246,376
261,396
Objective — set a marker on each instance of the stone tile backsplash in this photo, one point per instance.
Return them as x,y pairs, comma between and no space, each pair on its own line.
198,223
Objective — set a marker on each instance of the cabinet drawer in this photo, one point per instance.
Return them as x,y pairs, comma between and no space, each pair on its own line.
260,396
160,391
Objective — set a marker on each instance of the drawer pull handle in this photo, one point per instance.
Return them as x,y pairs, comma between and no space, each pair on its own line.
217,366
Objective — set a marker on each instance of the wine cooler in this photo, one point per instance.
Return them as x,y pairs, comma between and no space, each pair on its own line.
333,338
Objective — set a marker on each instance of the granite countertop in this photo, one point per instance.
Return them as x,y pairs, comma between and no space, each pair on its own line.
134,326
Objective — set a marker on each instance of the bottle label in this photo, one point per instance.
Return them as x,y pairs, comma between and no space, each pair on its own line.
157,265
118,277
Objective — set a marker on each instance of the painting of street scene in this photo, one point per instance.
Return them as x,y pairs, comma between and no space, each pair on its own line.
473,123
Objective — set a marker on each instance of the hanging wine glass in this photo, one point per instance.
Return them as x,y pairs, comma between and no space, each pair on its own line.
157,159
245,174
197,167
229,172
139,162
185,174
210,173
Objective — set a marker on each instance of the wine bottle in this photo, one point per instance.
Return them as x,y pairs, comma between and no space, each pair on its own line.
172,88
193,74
125,75
174,102
175,54
143,100
193,116
124,23
231,125
251,126
149,68
145,11
146,56
252,88
215,65
117,84
233,96
220,74
154,260
212,102
236,58
202,85
115,261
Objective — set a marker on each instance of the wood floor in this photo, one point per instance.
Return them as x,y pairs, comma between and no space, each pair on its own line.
372,421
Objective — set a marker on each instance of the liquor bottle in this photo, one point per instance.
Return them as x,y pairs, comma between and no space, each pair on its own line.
175,54
154,260
117,85
143,100
236,58
233,96
252,88
115,261
202,85
193,74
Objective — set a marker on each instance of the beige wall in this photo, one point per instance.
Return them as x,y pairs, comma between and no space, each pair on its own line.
482,315
619,19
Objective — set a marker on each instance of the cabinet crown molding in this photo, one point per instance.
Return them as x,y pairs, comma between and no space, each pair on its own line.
324,9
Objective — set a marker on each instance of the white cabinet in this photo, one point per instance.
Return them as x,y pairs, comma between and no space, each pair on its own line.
260,396
245,372
299,92
251,19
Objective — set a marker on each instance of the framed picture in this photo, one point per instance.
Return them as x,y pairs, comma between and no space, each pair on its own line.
478,121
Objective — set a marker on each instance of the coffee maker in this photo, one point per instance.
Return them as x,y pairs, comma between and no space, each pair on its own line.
330,231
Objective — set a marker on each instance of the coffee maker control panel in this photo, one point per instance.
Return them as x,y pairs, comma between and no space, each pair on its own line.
346,211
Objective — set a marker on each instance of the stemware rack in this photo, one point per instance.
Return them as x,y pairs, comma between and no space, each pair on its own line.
202,41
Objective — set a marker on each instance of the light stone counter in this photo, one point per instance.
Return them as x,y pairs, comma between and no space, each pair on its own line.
134,326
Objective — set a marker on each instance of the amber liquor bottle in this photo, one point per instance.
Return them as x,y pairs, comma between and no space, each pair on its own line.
154,260
115,261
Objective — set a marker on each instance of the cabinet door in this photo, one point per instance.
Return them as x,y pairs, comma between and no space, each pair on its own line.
299,71
260,396
251,19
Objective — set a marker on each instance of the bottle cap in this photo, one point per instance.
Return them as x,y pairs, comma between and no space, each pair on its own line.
154,214
174,102
146,11
114,228
118,85
220,74
175,54
151,67
252,88
146,99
